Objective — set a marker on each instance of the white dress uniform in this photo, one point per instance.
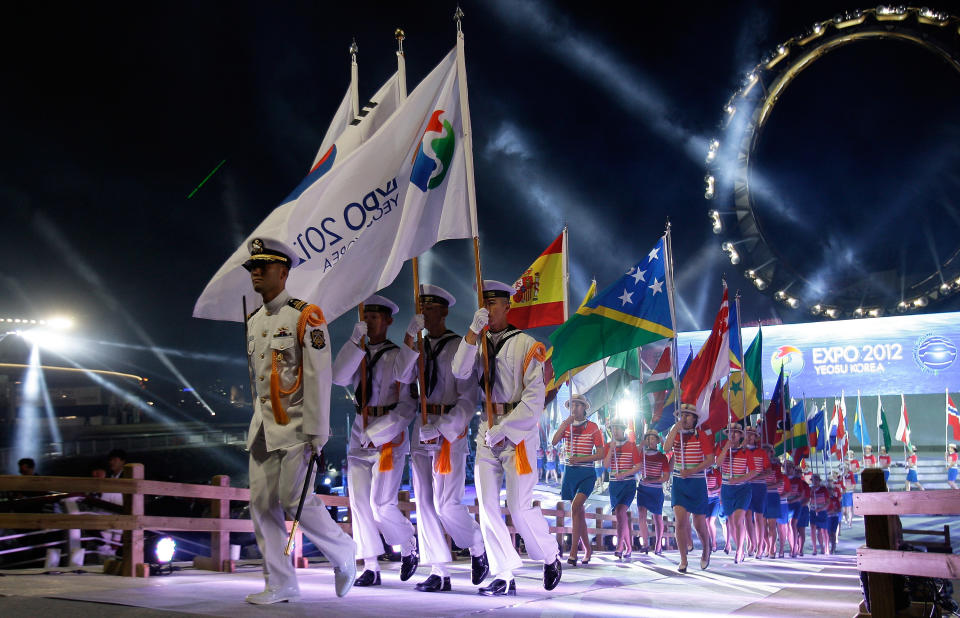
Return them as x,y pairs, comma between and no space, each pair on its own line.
280,454
373,492
451,406
519,383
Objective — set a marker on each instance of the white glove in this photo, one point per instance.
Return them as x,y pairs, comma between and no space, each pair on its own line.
480,320
317,442
429,432
416,325
494,435
359,332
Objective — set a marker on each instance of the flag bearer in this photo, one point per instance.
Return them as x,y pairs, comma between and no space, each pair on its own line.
438,456
737,469
377,452
951,458
622,459
912,478
507,450
288,353
655,469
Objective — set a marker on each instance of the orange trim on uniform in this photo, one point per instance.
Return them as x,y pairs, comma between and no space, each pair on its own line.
538,351
313,316
386,453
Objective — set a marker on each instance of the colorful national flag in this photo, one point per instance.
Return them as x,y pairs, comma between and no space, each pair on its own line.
953,418
838,430
538,300
736,345
773,419
882,426
665,402
719,413
858,425
659,388
741,390
815,431
903,428
799,439
352,229
632,312
557,380
712,363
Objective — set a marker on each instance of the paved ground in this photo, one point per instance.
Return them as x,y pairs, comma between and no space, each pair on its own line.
811,586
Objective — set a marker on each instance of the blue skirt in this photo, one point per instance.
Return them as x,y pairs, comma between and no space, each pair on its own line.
912,476
886,474
577,480
833,522
847,499
713,502
691,494
650,498
803,516
771,508
819,519
622,492
758,497
785,517
735,497
952,474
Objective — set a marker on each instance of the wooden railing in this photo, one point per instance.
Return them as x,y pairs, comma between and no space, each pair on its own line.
133,521
881,556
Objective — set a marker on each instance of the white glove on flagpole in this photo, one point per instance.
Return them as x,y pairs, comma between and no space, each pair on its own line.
480,320
359,332
416,325
428,432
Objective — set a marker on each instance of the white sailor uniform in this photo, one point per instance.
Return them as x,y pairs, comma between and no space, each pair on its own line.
451,404
280,453
373,491
517,391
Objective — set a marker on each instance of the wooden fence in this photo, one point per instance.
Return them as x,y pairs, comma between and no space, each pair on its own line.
881,556
133,522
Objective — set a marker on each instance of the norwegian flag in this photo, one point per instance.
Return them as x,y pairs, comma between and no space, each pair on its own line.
953,418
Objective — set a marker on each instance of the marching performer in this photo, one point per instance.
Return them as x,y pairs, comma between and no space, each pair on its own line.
584,445
715,514
771,508
869,459
884,461
288,356
912,478
655,469
758,491
377,451
798,500
622,459
438,455
951,458
508,449
849,484
693,454
737,470
819,497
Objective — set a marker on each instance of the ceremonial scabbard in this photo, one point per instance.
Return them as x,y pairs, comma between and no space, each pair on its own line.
303,498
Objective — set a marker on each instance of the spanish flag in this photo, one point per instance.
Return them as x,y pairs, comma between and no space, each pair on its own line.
538,300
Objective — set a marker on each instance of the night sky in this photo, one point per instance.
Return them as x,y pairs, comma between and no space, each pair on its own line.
588,114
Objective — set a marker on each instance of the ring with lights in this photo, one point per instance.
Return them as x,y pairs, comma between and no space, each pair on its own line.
727,182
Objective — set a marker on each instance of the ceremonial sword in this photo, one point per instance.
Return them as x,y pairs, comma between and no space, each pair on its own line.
303,497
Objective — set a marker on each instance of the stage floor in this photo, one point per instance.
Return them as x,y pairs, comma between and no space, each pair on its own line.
650,586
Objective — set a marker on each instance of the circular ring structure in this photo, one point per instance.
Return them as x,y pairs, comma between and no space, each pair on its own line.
727,181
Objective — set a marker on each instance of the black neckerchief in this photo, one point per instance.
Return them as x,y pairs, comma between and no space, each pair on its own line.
371,363
431,366
508,333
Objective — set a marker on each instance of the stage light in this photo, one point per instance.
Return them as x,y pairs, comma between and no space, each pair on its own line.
944,287
780,294
165,549
711,185
858,312
717,225
47,339
920,302
816,309
929,15
751,274
712,152
874,313
883,11
760,283
731,251
831,312
793,302
902,306
730,109
61,323
626,408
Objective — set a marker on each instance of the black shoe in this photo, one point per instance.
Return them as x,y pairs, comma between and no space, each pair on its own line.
551,574
408,565
368,578
434,583
480,569
499,588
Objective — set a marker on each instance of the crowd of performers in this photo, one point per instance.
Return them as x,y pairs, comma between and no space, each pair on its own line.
762,503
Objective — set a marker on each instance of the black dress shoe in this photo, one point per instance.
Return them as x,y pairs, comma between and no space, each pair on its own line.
408,565
551,574
480,569
499,588
368,578
434,583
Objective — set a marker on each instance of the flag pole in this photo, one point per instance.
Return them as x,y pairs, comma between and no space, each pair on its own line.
400,35
566,294
879,412
946,421
668,274
472,201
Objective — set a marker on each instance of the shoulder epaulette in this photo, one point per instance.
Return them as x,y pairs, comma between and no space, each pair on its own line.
252,313
298,304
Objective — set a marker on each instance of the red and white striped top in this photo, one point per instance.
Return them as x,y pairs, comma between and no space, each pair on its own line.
652,466
885,461
855,465
849,481
770,476
690,449
783,485
714,480
581,441
951,460
736,462
818,498
870,461
760,462
626,456
912,461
